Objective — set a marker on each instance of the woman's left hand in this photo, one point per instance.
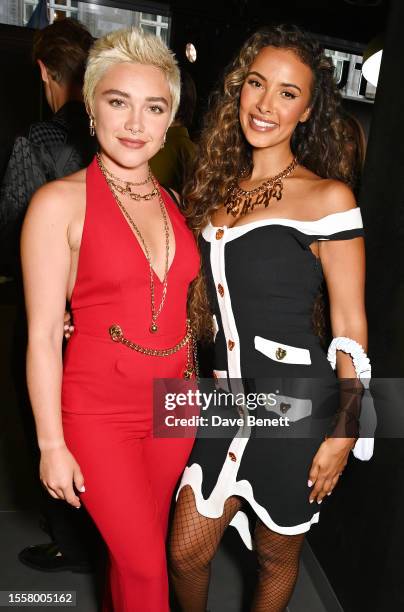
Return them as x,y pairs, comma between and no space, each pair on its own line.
327,466
68,328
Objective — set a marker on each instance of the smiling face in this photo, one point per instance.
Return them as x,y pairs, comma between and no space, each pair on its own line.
275,97
132,105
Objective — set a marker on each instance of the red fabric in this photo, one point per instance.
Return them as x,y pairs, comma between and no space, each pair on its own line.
107,394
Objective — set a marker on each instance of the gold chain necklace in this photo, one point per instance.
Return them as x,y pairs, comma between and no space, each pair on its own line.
120,180
113,181
154,312
247,200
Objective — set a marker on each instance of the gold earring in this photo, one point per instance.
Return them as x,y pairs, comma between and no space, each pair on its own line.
92,126
164,141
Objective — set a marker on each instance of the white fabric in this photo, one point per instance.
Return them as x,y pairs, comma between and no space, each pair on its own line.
326,226
360,359
296,408
228,485
363,448
215,327
292,354
221,381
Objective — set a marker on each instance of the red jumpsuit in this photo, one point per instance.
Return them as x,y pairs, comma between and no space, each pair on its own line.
107,393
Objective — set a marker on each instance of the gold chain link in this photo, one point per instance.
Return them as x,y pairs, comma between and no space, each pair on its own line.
155,313
117,335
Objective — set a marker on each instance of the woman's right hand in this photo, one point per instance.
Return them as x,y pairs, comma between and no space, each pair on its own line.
59,471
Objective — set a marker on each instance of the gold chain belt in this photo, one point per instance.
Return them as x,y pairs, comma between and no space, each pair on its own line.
116,333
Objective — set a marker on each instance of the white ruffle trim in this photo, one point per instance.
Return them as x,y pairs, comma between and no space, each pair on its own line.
363,448
214,505
360,359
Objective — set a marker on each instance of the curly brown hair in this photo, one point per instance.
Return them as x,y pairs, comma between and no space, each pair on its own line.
224,153
354,141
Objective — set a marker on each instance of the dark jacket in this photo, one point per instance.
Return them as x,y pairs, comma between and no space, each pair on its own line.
51,149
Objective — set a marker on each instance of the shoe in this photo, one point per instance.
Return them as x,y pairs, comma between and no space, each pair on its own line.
47,558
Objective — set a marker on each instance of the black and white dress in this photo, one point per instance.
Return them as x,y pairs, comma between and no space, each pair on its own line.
262,281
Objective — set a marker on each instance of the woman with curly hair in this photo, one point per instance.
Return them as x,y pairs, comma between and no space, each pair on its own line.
274,220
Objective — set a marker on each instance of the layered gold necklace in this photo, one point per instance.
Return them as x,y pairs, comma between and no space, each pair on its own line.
115,183
115,331
241,201
112,183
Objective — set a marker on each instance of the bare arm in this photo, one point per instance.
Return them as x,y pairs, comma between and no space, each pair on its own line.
343,264
45,256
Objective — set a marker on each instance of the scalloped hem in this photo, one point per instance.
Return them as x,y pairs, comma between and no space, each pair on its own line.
214,505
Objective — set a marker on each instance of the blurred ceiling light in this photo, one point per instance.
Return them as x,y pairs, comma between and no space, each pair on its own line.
372,58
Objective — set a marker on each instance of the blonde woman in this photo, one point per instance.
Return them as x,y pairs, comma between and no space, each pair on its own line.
113,243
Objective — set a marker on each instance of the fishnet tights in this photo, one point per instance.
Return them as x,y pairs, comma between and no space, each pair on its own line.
194,540
193,543
278,558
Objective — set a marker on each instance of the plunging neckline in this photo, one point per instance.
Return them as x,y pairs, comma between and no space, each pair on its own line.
144,258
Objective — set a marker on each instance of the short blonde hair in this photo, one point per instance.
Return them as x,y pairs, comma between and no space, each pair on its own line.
130,46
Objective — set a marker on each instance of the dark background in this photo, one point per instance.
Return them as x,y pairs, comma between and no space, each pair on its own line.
360,538
217,29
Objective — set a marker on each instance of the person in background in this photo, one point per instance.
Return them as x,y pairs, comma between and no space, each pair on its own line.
173,162
51,149
354,145
55,147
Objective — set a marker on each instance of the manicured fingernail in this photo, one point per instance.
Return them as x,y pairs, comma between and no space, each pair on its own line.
309,483
65,327
311,501
82,490
319,502
71,328
329,493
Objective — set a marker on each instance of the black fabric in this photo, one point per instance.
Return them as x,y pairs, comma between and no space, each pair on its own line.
268,282
173,196
50,150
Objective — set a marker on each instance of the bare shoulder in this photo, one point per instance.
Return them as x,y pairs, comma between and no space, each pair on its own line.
330,196
317,197
334,196
59,198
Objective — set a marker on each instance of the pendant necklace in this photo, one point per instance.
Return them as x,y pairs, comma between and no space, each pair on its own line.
155,312
241,201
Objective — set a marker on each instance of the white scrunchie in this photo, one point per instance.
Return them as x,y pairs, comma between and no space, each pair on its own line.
363,448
